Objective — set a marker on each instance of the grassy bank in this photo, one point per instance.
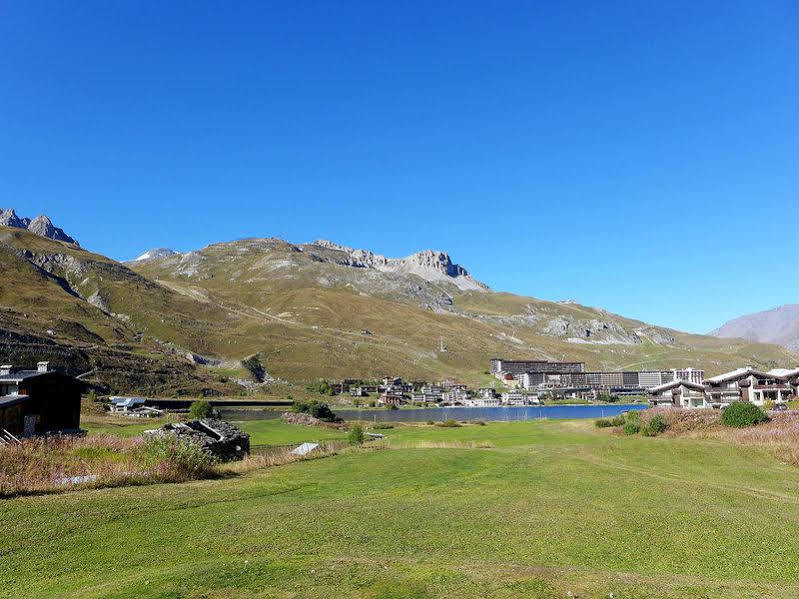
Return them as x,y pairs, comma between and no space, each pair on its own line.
549,507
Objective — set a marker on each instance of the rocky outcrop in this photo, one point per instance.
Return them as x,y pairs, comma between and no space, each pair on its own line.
155,254
430,265
219,438
41,225
9,218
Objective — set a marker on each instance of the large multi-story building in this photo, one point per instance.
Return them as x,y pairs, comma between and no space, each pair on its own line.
519,367
620,381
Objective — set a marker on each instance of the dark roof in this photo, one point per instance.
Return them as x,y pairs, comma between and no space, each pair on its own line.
10,400
21,375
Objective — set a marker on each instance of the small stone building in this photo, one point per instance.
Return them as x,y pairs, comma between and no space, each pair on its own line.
219,438
36,402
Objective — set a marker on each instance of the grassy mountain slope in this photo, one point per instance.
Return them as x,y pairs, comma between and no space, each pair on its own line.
305,311
309,313
85,312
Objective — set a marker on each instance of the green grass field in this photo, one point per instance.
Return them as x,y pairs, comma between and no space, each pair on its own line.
551,507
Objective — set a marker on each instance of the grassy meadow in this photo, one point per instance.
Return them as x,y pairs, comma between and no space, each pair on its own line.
521,509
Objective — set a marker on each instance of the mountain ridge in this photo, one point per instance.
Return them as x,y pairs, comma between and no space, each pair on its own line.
184,322
41,225
778,325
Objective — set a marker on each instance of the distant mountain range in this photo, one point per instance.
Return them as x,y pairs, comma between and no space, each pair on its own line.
41,225
779,325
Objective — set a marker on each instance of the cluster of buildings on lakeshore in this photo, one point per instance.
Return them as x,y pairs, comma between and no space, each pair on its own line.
394,391
679,387
778,385
523,382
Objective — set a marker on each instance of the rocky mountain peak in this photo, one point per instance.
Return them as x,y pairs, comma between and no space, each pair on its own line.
41,225
430,265
155,254
9,218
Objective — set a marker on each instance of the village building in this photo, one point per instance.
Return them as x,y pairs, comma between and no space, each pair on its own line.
681,394
458,394
487,393
749,384
391,399
514,398
41,401
422,397
482,402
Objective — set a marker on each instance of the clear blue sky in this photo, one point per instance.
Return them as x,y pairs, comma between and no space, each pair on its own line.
640,156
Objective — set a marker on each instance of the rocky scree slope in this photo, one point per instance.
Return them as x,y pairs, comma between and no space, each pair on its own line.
779,325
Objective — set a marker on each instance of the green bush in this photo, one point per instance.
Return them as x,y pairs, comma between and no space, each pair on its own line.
742,414
322,387
183,457
379,426
200,409
448,424
632,416
617,420
430,422
769,404
655,426
603,423
316,409
355,436
631,428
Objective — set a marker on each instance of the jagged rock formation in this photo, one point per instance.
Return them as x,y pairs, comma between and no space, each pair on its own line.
41,225
430,265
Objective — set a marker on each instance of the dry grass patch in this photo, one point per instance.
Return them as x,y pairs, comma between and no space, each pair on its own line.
780,434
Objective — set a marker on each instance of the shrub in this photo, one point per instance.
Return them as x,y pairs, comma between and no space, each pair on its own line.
448,424
603,423
430,422
372,403
322,387
617,420
632,416
200,409
182,457
631,428
316,409
769,404
655,426
379,426
355,436
742,414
